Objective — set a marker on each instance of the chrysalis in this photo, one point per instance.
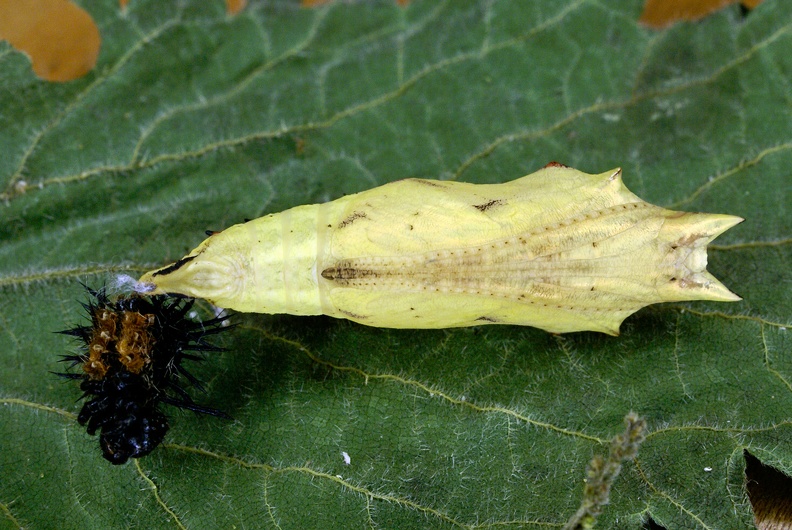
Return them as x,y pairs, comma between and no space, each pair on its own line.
558,249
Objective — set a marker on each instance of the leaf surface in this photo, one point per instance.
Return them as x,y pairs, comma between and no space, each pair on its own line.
193,120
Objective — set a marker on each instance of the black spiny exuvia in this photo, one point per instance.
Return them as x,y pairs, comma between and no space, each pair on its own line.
131,361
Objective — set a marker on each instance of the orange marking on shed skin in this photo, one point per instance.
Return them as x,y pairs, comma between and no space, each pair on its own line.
119,337
135,343
104,334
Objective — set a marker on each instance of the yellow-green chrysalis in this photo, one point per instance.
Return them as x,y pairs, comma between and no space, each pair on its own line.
558,249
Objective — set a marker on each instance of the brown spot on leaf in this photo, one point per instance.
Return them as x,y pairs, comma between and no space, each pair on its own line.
661,13
60,38
299,145
235,6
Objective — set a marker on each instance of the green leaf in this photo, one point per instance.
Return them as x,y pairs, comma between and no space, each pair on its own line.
194,120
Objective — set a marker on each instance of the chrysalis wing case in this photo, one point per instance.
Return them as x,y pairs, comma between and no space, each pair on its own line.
558,249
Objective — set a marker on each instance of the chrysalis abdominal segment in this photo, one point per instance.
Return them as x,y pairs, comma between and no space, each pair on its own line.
132,362
558,249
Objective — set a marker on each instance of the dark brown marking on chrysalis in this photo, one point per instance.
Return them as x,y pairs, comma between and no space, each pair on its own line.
488,319
350,314
487,205
556,164
688,240
341,273
351,219
176,266
430,183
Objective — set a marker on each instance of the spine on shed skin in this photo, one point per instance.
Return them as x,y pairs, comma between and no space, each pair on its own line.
557,249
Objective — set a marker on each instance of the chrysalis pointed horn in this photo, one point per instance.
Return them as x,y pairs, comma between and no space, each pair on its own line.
687,236
558,249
